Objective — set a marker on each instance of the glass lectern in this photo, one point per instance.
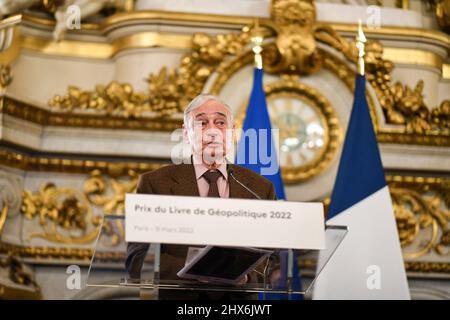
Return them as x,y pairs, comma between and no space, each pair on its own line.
172,271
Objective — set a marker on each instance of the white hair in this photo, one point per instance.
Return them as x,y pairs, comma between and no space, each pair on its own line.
199,101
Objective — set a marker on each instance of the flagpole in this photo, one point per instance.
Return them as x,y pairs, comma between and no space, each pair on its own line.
257,40
360,45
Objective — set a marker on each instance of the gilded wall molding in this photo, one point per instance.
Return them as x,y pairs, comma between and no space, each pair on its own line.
10,199
63,214
20,282
150,39
3,215
58,253
9,35
46,117
422,212
29,163
104,50
446,71
114,21
428,267
107,50
66,215
411,56
442,11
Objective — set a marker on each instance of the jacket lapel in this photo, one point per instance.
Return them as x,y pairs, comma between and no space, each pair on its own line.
184,181
236,190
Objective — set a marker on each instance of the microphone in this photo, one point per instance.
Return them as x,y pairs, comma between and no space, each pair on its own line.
231,174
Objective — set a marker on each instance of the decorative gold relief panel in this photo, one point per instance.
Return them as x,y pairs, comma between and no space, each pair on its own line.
70,216
422,211
63,214
17,280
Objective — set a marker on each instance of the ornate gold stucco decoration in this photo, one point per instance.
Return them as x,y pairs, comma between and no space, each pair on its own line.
66,215
111,203
294,50
443,14
5,77
63,214
401,104
423,217
170,90
113,99
20,281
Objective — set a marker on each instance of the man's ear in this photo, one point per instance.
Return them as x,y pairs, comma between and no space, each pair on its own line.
185,134
233,136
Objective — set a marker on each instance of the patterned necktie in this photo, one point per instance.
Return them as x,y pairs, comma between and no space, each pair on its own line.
211,177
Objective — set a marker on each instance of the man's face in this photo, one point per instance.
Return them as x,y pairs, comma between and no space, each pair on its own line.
210,132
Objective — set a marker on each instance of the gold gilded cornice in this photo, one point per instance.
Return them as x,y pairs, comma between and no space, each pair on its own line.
71,48
9,51
413,56
35,163
446,71
152,39
45,117
427,267
394,136
43,22
404,32
57,253
238,21
105,50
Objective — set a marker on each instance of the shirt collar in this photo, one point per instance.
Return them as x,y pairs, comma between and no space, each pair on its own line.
200,169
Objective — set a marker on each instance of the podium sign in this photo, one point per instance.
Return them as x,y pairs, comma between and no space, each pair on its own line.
224,222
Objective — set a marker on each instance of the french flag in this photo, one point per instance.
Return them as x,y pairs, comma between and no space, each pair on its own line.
368,264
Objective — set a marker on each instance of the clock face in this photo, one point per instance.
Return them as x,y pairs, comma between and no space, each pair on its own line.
309,133
303,129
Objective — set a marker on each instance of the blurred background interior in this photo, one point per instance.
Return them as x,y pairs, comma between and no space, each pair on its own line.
92,91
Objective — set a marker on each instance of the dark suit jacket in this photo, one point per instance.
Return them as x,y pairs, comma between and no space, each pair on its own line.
180,180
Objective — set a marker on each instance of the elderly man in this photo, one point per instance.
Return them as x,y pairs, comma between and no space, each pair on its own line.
208,128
